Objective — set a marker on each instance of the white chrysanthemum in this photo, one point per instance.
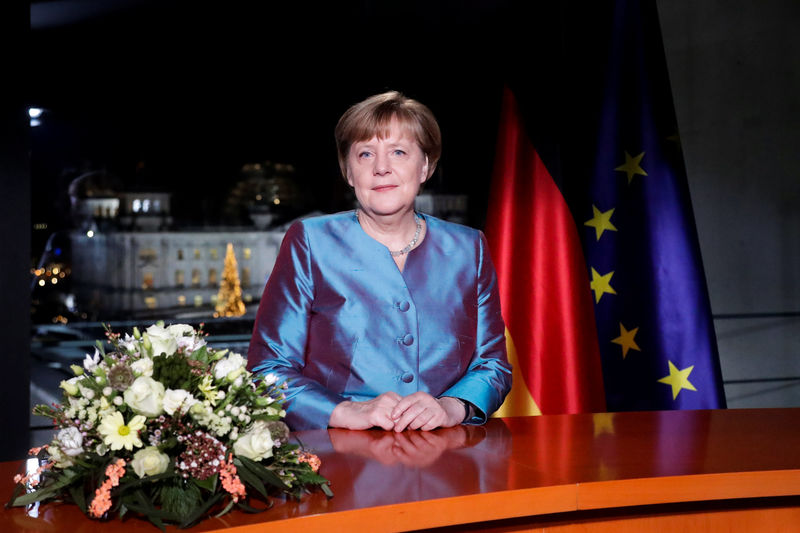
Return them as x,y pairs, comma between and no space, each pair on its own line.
117,434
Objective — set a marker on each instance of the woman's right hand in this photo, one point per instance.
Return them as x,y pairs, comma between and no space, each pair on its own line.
365,415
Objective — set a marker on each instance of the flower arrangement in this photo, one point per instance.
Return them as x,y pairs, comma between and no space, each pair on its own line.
166,427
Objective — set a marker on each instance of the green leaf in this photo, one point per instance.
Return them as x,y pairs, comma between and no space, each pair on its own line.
209,483
78,496
226,509
179,498
264,473
44,493
252,480
252,510
200,512
140,503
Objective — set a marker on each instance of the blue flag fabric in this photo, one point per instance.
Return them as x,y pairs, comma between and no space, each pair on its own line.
652,310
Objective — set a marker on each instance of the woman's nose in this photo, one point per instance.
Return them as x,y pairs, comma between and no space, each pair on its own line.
382,165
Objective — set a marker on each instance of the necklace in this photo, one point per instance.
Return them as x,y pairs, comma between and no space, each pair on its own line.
410,245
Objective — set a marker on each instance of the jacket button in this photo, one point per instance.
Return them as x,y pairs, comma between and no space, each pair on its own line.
403,306
408,377
408,340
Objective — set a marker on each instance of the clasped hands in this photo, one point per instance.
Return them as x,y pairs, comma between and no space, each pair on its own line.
391,411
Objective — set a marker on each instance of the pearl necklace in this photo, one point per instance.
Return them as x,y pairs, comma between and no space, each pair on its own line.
409,246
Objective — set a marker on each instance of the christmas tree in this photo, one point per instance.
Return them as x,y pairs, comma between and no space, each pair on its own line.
229,298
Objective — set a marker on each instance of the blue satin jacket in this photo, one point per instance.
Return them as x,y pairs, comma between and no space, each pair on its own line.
339,321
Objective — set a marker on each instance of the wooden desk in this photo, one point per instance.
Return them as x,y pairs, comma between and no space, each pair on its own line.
673,470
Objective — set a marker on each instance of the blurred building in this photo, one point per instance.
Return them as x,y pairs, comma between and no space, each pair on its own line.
127,260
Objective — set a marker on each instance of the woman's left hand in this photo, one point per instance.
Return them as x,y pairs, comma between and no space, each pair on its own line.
422,411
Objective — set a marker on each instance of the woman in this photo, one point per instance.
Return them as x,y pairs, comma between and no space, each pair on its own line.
382,316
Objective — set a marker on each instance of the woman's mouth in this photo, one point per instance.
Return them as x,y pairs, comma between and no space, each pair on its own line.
384,188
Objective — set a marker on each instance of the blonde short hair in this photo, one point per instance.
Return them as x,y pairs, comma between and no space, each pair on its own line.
372,117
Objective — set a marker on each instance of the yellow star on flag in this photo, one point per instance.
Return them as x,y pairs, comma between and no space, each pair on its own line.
601,221
626,340
632,166
678,379
601,284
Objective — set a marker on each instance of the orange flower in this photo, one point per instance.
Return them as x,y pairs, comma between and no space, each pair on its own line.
35,451
312,460
230,480
32,479
102,499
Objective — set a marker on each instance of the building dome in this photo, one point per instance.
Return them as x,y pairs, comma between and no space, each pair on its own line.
94,184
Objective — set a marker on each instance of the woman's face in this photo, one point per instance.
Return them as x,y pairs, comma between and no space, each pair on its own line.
387,173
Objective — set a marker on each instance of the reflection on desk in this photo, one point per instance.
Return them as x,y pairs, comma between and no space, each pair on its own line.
386,467
533,471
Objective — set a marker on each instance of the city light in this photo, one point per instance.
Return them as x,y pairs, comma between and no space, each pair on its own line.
90,234
34,113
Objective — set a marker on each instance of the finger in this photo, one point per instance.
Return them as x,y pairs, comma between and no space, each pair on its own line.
416,416
432,423
426,421
408,416
410,400
392,396
402,406
384,422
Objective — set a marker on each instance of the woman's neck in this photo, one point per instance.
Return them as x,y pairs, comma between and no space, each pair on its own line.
394,231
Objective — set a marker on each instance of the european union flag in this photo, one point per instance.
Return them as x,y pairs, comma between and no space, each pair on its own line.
652,310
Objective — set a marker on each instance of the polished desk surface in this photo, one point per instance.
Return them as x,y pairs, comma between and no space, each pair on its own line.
509,468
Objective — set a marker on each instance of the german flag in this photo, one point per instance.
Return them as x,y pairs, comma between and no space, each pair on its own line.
591,228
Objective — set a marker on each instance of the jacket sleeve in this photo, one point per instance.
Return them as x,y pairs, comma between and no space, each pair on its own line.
280,333
488,378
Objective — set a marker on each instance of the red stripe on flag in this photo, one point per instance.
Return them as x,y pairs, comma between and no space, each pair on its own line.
544,286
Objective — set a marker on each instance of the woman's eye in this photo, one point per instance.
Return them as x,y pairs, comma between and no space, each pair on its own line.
399,152
364,154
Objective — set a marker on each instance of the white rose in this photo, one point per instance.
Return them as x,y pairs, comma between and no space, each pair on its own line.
143,367
179,330
270,379
149,462
70,441
230,364
256,443
162,340
178,400
145,396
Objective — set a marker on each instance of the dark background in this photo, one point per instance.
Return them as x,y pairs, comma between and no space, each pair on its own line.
179,95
